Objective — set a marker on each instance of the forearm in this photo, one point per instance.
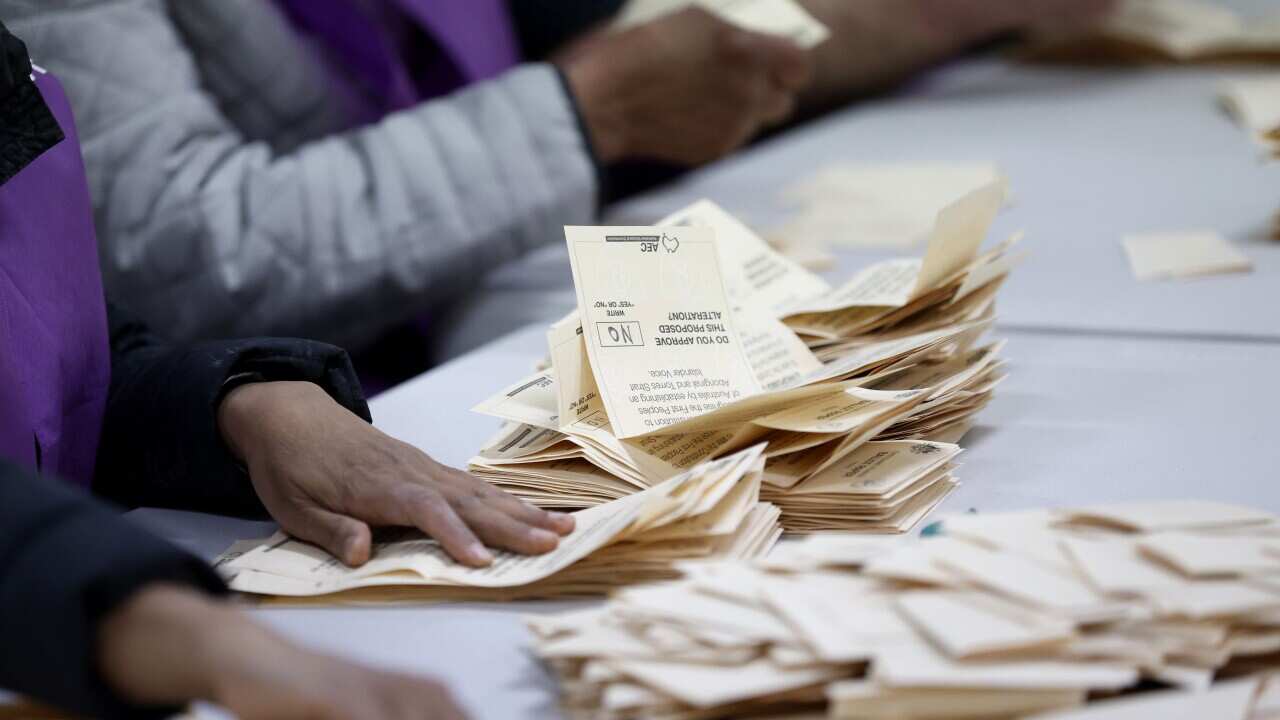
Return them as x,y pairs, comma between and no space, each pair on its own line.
161,445
875,43
69,564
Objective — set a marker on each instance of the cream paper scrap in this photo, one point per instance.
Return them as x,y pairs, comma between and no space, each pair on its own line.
1164,256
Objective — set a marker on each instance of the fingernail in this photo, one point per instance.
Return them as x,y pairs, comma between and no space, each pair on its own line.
349,548
542,537
481,554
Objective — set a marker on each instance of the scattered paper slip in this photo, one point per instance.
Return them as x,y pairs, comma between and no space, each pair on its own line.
773,17
893,206
998,621
1163,256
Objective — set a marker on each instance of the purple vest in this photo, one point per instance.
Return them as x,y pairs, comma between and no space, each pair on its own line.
370,47
55,365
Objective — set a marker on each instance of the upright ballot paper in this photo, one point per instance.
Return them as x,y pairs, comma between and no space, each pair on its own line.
658,325
753,272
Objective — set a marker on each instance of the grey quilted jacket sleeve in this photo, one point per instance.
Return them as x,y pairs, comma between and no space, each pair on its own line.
210,233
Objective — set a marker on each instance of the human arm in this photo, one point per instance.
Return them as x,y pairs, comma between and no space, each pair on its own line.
876,43
208,232
105,620
281,425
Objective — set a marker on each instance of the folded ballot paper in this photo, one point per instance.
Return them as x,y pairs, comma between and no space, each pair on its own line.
694,339
1172,30
774,17
1255,102
710,511
1138,611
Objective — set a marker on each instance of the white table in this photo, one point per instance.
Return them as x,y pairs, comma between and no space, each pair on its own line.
1080,419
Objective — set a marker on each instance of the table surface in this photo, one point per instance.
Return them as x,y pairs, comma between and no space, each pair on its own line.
1117,390
1080,419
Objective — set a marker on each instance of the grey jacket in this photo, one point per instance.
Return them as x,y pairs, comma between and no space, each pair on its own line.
229,202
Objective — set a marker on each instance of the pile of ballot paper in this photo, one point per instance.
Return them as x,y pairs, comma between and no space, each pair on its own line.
1128,612
712,511
1172,30
679,353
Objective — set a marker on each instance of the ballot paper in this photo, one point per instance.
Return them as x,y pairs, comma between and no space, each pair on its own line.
844,627
1164,256
658,325
773,17
754,272
696,514
1171,30
1255,102
891,206
957,233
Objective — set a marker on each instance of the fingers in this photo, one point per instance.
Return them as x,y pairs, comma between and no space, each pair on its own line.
431,513
777,107
501,530
559,523
345,538
789,66
777,68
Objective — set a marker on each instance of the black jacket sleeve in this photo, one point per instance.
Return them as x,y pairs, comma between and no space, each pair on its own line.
160,443
65,562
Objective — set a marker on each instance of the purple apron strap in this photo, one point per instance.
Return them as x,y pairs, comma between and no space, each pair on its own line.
356,41
56,365
476,34
361,39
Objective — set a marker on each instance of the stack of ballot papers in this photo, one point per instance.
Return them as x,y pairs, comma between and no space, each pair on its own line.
711,511
1138,611
678,353
1172,30
773,17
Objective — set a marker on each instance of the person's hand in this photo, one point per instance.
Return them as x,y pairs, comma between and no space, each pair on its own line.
687,88
167,645
325,475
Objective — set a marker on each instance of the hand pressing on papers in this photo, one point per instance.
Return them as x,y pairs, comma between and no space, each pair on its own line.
166,645
326,475
687,88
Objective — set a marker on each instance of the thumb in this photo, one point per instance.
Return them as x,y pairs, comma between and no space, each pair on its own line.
345,538
789,66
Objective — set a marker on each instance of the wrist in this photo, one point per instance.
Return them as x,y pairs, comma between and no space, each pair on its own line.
244,415
154,649
605,124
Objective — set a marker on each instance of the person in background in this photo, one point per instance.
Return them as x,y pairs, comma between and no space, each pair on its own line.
338,168
97,616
